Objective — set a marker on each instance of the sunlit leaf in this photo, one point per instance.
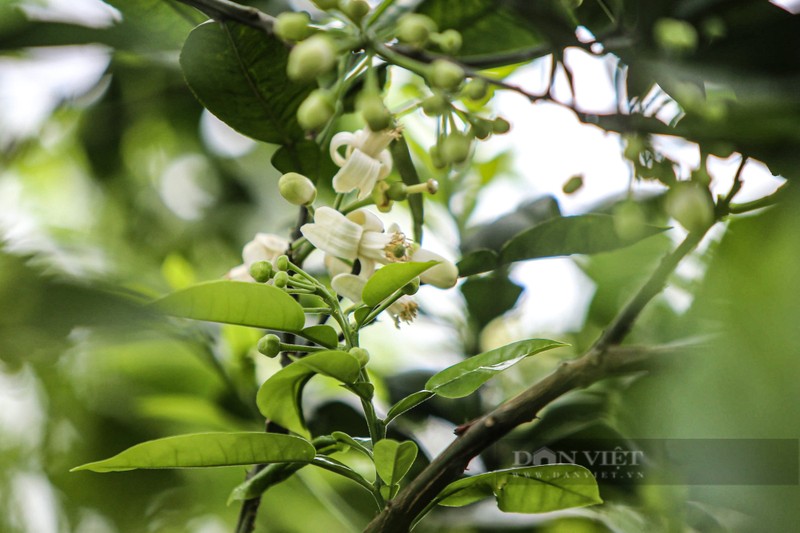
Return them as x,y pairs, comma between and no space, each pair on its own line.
391,277
235,302
321,334
408,403
207,450
279,398
239,74
393,459
533,489
464,378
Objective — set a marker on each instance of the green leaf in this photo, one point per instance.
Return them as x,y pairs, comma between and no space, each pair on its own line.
363,390
532,489
478,261
279,397
344,438
393,459
305,157
583,234
321,334
408,172
490,296
464,378
206,450
239,74
408,403
385,281
236,302
266,478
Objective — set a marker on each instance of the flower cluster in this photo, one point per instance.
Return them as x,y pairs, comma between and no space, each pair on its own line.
264,247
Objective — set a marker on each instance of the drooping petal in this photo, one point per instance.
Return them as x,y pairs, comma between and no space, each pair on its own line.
333,233
349,285
385,159
360,171
343,138
444,275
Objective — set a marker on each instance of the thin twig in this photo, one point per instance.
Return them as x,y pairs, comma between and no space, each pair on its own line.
227,10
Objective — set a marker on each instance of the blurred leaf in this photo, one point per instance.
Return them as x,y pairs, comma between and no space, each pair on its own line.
408,172
389,278
490,296
393,459
235,302
582,234
408,403
239,74
153,25
304,157
321,334
187,409
207,450
533,489
279,398
464,378
477,262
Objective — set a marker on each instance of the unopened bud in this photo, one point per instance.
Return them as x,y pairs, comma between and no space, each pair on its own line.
374,112
414,29
410,288
476,89
436,157
675,36
361,354
261,271
326,4
435,105
573,184
445,75
297,189
316,110
691,205
500,126
629,221
449,41
455,148
282,263
293,26
397,191
281,279
354,9
481,128
311,58
269,345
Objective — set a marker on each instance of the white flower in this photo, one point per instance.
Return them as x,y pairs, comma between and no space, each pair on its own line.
404,309
366,159
444,275
359,235
263,247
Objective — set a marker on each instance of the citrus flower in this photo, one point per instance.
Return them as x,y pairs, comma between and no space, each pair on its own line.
263,247
358,236
443,275
366,159
404,309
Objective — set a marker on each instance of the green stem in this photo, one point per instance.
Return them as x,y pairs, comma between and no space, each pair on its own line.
336,467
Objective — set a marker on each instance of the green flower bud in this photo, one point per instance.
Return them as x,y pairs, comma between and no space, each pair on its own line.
701,176
311,58
293,27
436,157
691,205
374,112
476,89
261,271
500,126
415,30
354,9
269,345
573,184
445,75
397,191
411,287
326,4
282,263
361,354
629,220
316,110
455,148
449,41
481,128
297,189
435,105
281,279
634,145
675,36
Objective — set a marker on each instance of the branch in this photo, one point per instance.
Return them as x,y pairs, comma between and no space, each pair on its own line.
227,10
598,363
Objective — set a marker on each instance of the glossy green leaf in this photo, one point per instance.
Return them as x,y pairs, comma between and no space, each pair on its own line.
206,450
532,489
305,157
279,397
266,478
408,173
464,378
490,296
582,234
357,444
321,334
363,390
393,459
385,281
235,302
408,403
477,262
239,74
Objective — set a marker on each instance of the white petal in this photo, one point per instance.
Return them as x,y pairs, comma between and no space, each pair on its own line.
350,286
264,247
386,164
444,275
373,246
333,233
366,219
359,172
343,138
336,266
373,143
239,273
